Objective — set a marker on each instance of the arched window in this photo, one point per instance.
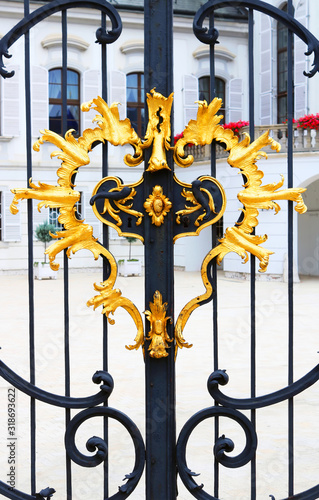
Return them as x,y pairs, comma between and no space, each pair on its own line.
282,70
135,101
55,100
204,92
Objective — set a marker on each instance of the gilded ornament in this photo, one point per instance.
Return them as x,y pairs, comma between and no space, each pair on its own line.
204,202
116,200
203,131
158,129
158,333
239,239
77,235
157,205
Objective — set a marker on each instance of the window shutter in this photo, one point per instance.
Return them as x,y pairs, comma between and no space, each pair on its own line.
190,96
235,99
89,216
266,73
91,89
10,120
118,91
300,64
39,99
11,223
38,217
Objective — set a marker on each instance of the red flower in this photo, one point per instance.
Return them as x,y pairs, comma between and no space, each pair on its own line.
235,126
309,122
177,136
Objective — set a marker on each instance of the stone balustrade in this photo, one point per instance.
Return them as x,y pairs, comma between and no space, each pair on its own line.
305,141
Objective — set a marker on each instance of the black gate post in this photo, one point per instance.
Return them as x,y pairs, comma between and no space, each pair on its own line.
159,270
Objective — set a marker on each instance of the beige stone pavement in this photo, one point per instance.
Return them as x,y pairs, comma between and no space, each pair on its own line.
193,367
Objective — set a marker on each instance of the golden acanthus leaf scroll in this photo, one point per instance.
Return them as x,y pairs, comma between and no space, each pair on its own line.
243,155
76,235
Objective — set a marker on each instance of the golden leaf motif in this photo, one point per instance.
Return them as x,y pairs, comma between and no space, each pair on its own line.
158,333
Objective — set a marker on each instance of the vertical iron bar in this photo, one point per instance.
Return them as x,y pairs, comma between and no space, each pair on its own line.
106,245
65,258
159,270
214,242
30,252
213,174
253,258
290,106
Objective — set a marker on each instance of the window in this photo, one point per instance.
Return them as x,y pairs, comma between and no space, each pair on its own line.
55,100
282,71
53,218
135,101
204,92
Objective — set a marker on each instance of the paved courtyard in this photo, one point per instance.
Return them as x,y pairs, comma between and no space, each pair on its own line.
193,368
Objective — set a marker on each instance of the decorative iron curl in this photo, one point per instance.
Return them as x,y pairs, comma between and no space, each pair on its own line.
210,36
45,11
9,492
220,377
223,445
97,443
56,400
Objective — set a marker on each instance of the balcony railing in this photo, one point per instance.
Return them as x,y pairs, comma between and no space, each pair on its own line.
305,141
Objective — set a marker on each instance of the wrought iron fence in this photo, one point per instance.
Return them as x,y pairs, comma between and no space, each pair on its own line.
163,458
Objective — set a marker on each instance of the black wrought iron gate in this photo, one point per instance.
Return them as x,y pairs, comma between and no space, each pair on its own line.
154,210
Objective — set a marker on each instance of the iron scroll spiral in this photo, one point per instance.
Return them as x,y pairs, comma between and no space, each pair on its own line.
103,36
222,446
220,377
99,445
210,36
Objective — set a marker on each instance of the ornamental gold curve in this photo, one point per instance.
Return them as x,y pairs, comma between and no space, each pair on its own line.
77,235
121,207
188,209
239,239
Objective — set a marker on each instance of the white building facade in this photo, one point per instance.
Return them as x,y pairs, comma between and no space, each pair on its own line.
191,72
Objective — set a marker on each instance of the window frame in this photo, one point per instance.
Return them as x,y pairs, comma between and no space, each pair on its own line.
139,105
70,102
282,95
208,97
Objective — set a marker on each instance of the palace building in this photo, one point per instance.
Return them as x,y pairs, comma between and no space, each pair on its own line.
192,83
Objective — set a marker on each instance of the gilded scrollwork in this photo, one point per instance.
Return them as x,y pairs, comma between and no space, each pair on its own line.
116,201
240,238
110,299
157,205
190,196
158,333
203,131
76,235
